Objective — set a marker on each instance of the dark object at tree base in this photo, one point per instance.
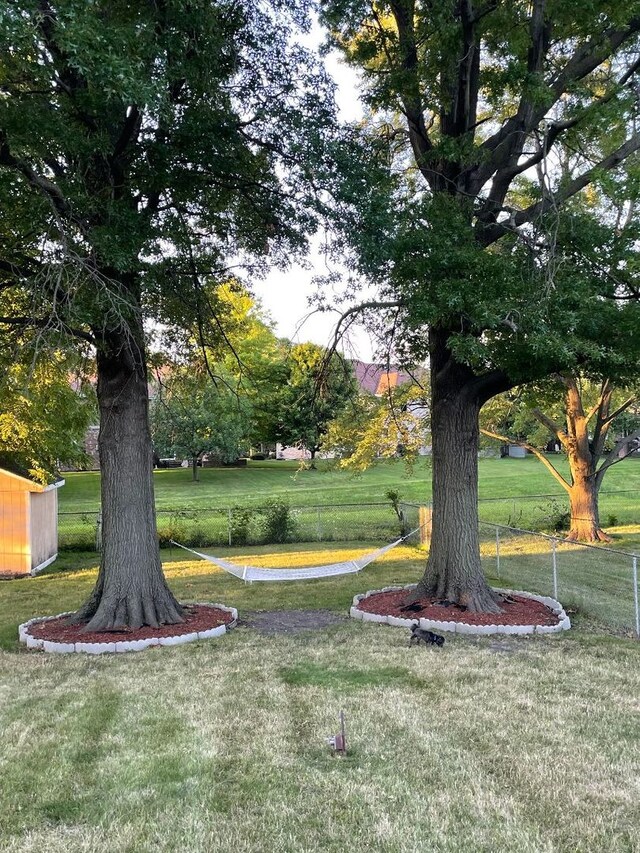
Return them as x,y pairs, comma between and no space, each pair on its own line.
427,637
413,607
446,603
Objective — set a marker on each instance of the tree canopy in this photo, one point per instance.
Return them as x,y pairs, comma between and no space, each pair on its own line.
143,148
486,260
43,414
318,388
191,415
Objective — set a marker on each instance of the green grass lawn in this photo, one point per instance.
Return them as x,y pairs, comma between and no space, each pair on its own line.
512,491
527,744
499,479
503,744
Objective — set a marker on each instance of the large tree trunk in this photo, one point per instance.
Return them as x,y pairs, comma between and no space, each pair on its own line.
583,456
585,516
454,570
131,590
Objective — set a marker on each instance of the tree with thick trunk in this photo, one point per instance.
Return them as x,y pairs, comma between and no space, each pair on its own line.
471,235
143,144
131,589
583,437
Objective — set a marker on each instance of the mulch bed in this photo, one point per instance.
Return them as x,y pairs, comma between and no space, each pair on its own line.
198,617
517,610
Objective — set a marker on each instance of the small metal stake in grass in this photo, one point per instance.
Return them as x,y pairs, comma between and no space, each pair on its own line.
338,742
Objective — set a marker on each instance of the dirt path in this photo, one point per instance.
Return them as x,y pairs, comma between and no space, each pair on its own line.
289,621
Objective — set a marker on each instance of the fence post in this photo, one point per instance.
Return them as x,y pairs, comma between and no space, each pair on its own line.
229,525
555,569
319,524
99,532
497,551
635,594
425,514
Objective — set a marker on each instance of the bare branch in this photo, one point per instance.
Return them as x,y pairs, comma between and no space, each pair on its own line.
613,458
537,453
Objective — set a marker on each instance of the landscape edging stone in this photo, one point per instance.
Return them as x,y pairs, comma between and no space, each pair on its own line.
563,624
52,647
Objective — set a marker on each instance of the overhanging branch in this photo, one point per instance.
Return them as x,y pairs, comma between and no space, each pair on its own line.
537,453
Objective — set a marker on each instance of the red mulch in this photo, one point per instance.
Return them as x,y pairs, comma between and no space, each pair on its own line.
516,611
198,617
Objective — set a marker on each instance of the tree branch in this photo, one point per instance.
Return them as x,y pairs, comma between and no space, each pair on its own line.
613,458
403,13
507,144
537,453
551,425
620,409
488,235
26,322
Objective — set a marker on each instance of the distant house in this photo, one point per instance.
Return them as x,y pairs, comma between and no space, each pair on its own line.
378,379
28,523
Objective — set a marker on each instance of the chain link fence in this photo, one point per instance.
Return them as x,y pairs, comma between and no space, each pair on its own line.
256,525
551,512
598,581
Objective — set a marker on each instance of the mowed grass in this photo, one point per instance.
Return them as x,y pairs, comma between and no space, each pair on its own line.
528,744
260,481
483,745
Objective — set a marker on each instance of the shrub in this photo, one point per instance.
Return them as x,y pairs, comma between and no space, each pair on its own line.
239,520
557,517
278,523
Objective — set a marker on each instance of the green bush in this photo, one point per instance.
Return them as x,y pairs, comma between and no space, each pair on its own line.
556,517
278,523
239,521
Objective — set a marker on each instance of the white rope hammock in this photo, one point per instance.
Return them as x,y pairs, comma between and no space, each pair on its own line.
256,573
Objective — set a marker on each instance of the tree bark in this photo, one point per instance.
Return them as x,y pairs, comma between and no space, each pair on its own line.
454,570
194,468
585,517
583,454
131,590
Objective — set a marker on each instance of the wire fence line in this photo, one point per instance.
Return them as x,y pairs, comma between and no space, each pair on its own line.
598,581
374,521
255,525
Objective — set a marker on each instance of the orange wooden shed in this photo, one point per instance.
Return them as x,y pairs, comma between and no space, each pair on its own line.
28,524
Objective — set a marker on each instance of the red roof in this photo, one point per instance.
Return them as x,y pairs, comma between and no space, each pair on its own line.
378,378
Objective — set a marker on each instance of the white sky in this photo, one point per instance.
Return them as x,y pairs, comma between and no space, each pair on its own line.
286,295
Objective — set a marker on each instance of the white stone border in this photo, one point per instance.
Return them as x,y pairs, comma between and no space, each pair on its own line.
122,645
563,623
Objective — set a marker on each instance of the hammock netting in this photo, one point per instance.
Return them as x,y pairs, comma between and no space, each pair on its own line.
257,573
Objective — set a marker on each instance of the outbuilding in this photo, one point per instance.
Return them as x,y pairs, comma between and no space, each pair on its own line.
28,523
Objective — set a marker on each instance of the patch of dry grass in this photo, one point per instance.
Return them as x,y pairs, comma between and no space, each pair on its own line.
527,744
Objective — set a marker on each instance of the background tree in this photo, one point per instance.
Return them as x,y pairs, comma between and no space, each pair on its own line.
582,418
191,415
234,344
318,389
44,414
370,428
469,104
141,145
